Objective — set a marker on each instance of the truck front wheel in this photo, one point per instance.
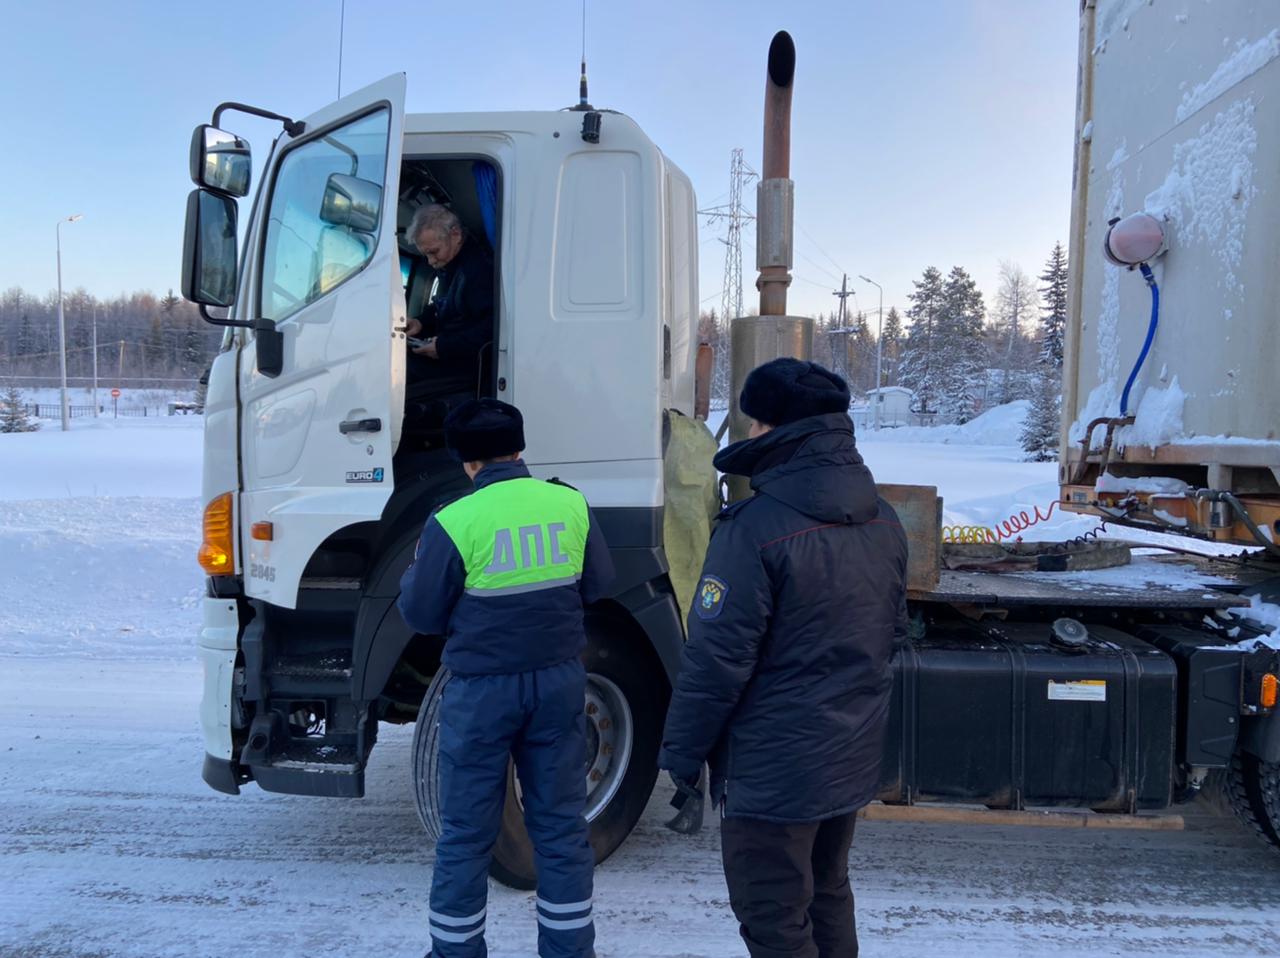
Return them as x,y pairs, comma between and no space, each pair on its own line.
626,703
1253,789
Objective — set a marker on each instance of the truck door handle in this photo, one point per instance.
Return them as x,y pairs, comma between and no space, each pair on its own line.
360,425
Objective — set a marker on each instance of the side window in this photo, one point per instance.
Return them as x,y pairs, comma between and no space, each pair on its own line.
305,254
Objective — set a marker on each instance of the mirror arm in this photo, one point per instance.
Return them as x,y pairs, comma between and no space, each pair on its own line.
292,127
257,325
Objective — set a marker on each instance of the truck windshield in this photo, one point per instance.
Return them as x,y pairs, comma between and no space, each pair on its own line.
303,257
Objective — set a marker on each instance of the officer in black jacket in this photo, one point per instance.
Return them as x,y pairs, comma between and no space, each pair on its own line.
785,681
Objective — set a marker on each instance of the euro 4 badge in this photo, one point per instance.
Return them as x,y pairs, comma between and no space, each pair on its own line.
711,595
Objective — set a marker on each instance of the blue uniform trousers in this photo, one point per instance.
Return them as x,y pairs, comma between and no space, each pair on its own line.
537,718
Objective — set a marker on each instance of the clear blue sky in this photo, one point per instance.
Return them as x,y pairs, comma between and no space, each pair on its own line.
925,132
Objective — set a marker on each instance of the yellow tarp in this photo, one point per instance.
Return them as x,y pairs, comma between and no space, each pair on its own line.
692,502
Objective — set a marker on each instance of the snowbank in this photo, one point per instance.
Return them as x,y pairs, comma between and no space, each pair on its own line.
998,426
104,457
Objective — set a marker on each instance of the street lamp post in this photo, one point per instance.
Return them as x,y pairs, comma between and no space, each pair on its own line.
95,359
62,325
879,347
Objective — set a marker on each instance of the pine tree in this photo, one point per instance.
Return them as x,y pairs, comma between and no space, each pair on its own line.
918,369
193,351
891,343
26,337
1039,436
169,303
1053,320
961,349
13,418
1040,433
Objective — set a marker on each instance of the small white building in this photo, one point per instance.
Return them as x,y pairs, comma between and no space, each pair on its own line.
894,403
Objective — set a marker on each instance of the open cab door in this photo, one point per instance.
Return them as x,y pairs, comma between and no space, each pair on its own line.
317,435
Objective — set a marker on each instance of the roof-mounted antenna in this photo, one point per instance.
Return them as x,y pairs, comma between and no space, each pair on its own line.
590,115
583,104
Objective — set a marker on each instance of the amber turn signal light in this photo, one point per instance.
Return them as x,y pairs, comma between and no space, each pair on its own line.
262,531
1267,694
216,556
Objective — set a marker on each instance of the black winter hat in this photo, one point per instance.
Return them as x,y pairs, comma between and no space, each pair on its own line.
785,390
482,429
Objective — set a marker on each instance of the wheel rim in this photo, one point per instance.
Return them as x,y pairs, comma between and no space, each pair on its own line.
610,731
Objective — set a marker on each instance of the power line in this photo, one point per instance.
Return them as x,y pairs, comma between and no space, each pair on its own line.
735,216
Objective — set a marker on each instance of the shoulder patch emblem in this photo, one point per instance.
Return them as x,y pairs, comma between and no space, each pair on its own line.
709,602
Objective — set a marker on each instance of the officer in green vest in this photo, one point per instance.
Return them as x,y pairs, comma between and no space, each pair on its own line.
503,574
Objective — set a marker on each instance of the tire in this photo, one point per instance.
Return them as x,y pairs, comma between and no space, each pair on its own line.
1253,791
627,696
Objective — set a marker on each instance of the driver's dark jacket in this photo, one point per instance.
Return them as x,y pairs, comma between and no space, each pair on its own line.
460,316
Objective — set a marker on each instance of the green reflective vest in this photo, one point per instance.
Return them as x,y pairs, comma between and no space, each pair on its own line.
518,535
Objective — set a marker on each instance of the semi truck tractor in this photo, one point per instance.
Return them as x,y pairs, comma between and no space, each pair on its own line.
1026,680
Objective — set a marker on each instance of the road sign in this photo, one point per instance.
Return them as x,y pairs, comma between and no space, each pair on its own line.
115,394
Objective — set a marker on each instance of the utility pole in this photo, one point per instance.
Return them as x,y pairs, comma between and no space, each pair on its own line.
735,216
62,325
879,349
843,293
95,359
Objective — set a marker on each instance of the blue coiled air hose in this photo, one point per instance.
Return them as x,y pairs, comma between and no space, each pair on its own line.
1151,335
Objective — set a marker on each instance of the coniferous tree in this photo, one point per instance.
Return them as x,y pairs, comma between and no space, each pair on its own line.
1053,320
1039,437
892,346
1040,432
26,338
959,339
919,369
13,417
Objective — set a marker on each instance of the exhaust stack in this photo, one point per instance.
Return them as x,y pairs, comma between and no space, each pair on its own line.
775,193
758,339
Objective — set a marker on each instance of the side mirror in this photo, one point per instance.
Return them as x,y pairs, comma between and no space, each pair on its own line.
351,202
220,161
209,249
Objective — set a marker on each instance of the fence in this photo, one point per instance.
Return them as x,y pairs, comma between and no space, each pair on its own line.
45,410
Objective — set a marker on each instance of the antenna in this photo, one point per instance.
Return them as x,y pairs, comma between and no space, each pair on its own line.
582,80
342,29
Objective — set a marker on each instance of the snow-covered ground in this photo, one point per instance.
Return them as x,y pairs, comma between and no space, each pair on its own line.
113,846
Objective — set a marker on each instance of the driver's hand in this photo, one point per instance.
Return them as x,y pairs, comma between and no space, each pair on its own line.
413,327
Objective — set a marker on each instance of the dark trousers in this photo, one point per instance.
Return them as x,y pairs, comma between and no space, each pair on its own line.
485,720
789,886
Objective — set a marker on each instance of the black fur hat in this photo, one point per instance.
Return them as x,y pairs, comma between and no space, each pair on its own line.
785,390
483,429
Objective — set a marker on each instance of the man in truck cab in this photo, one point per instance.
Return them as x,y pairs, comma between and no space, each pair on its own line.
785,680
457,324
503,574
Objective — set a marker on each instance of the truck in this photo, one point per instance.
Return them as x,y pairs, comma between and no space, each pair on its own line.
1023,683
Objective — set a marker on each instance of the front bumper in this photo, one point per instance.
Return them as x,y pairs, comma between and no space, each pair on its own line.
217,650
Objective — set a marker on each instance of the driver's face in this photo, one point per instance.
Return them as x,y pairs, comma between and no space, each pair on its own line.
439,249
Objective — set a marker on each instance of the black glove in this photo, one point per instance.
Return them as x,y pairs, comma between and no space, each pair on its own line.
686,788
688,803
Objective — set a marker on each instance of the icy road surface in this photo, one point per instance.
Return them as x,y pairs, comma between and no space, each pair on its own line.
112,846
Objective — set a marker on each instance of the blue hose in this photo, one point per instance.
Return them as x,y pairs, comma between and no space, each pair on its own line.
1151,335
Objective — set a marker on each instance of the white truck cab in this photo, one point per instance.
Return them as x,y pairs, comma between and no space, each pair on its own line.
320,470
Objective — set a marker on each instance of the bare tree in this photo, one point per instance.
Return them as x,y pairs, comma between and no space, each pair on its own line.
1016,304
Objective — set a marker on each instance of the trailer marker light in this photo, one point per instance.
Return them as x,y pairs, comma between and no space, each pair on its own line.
262,531
215,555
1267,695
